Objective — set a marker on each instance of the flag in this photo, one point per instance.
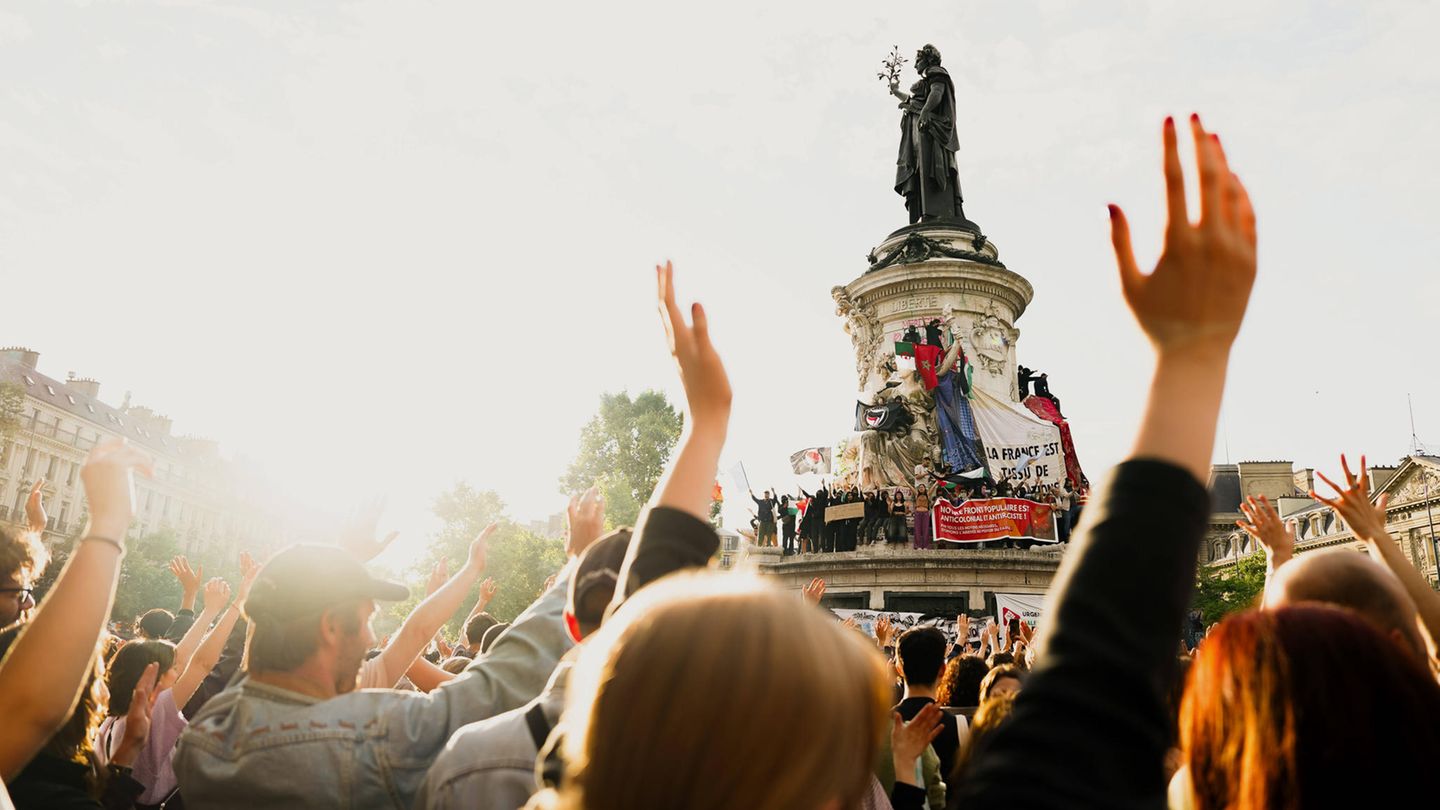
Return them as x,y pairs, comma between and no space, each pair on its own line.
737,475
811,460
888,416
926,359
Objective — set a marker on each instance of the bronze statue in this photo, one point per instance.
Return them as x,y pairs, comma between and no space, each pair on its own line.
925,173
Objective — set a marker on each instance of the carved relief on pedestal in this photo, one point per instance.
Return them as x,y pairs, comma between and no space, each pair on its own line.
992,339
865,333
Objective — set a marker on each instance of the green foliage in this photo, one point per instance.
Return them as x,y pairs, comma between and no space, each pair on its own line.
623,450
518,560
1222,591
145,578
12,405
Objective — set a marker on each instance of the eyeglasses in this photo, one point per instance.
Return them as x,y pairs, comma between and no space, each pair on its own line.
25,593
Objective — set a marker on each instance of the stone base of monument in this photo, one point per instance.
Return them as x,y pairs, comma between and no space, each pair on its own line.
900,578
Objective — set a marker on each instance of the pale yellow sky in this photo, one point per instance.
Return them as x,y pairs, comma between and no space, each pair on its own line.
383,247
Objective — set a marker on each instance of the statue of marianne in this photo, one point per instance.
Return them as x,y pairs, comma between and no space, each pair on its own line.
925,173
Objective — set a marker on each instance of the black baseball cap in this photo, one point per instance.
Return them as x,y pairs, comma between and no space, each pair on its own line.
307,579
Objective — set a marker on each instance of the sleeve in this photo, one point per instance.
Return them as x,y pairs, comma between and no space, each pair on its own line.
121,792
907,797
666,540
184,619
513,673
1090,729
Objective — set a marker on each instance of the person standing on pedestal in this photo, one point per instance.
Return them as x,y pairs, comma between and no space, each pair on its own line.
923,531
765,513
787,527
925,173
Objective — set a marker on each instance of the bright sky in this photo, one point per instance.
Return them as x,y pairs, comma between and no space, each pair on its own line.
382,247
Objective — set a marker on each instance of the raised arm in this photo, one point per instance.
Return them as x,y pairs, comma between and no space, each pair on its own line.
947,363
207,655
1264,524
1367,520
217,595
674,532
41,677
428,616
1100,662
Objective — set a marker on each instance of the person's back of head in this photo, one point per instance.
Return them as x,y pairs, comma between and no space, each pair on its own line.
700,685
475,628
1354,581
992,714
1306,706
154,623
1004,679
960,685
999,659
592,586
921,651
128,664
493,635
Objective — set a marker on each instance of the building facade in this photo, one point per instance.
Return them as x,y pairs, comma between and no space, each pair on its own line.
1412,514
213,507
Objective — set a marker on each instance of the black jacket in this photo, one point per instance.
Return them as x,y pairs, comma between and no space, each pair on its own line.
1091,727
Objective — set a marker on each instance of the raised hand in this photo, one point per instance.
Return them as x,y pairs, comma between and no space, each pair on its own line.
190,578
443,646
707,387
487,593
962,630
1264,524
217,595
1352,502
585,520
813,591
438,575
475,562
850,622
358,537
883,631
249,570
137,719
110,487
1195,298
35,517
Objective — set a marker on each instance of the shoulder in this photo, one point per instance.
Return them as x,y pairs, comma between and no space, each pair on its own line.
485,750
937,72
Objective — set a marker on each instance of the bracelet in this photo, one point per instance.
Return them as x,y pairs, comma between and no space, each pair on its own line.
116,543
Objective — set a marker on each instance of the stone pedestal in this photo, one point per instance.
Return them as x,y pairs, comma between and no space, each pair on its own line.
930,271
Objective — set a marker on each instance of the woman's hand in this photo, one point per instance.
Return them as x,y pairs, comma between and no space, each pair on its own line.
707,387
1264,525
35,517
137,719
908,741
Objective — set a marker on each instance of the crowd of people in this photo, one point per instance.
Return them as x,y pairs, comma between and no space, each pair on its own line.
641,679
891,516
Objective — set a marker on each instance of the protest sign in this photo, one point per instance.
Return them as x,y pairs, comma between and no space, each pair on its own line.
982,519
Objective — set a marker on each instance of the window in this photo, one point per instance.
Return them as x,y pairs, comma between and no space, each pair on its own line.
72,399
90,407
51,389
29,381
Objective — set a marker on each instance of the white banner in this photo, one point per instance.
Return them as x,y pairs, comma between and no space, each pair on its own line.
1027,607
865,620
1018,446
737,476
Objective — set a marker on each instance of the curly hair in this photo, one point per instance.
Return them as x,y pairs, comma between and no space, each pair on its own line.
960,684
929,54
22,552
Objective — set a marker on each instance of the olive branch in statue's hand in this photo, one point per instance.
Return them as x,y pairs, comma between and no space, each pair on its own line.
891,74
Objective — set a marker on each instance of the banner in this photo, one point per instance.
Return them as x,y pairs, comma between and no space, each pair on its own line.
1027,607
982,519
865,620
1045,409
845,511
888,416
811,460
1018,446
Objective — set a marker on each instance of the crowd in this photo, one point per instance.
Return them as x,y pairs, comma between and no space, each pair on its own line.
640,679
891,516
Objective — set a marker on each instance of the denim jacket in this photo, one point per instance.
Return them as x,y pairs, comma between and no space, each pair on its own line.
258,746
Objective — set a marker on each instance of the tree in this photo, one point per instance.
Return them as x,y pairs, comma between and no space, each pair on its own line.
12,405
1220,592
518,560
145,578
623,450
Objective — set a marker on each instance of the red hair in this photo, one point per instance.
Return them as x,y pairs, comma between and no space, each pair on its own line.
1306,706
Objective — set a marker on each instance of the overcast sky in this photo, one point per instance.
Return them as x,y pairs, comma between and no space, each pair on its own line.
384,246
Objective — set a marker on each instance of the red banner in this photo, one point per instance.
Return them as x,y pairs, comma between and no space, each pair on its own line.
978,520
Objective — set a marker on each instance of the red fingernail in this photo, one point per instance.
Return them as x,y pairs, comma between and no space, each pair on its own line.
1195,117
1169,120
1114,210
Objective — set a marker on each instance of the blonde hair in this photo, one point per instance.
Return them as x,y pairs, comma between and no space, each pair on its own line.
717,691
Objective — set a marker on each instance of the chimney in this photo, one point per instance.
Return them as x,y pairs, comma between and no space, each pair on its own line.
22,355
84,385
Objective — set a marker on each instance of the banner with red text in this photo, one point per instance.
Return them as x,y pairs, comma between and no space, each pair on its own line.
981,519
